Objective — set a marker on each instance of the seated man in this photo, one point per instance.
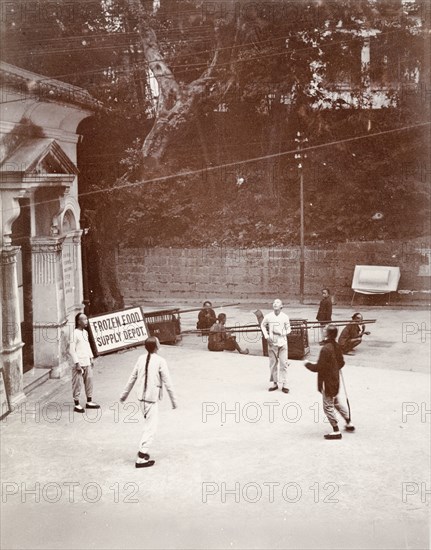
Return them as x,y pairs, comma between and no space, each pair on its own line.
220,340
206,317
351,335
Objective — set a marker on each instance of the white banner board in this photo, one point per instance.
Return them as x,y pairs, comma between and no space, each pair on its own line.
118,330
375,279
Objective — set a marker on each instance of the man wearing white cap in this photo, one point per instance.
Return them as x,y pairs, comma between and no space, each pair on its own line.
275,328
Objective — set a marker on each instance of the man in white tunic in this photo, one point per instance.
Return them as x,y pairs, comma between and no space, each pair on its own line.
275,328
149,374
82,370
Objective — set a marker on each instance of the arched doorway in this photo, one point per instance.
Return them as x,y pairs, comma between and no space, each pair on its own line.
21,231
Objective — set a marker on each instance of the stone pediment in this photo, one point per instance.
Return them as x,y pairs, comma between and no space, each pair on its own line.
38,156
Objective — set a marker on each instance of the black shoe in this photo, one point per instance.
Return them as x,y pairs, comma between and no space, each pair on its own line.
273,388
350,428
78,409
91,405
146,464
285,390
333,435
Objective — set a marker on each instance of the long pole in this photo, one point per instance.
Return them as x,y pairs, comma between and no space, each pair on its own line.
256,328
347,397
213,307
301,258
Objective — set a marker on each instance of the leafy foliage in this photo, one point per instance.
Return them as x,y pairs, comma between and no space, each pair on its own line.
276,64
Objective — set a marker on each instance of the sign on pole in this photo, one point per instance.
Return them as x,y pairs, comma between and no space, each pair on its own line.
118,330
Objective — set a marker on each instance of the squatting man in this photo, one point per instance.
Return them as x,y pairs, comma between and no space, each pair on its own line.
351,335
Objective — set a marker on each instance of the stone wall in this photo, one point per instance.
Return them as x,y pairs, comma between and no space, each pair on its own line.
262,273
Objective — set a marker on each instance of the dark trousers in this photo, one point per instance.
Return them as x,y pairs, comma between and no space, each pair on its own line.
350,344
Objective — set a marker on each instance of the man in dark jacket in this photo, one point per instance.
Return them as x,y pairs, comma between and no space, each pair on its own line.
328,381
206,317
351,335
324,315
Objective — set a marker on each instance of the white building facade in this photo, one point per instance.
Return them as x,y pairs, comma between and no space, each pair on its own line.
41,272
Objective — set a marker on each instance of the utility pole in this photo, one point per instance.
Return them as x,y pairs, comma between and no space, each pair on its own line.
299,156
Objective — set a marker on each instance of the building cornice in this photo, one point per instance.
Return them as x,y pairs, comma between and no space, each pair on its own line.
49,89
54,133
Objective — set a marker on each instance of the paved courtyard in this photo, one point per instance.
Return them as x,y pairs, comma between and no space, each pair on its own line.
236,466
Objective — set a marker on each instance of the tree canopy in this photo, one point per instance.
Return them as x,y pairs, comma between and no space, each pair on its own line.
203,102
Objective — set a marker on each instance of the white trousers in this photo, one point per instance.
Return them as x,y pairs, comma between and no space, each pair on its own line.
278,363
150,412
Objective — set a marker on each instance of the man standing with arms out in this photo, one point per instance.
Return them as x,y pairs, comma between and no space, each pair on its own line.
149,374
275,328
324,315
328,381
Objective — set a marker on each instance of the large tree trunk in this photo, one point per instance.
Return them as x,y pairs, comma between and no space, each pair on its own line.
177,104
104,293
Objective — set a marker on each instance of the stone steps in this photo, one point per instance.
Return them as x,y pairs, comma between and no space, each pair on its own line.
34,378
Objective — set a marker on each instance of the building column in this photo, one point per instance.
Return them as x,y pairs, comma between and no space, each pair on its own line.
72,274
11,326
51,333
79,281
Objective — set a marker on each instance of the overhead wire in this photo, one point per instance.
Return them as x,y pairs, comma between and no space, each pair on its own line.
187,66
128,184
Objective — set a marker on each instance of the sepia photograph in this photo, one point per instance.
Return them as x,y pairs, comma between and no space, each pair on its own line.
215,279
